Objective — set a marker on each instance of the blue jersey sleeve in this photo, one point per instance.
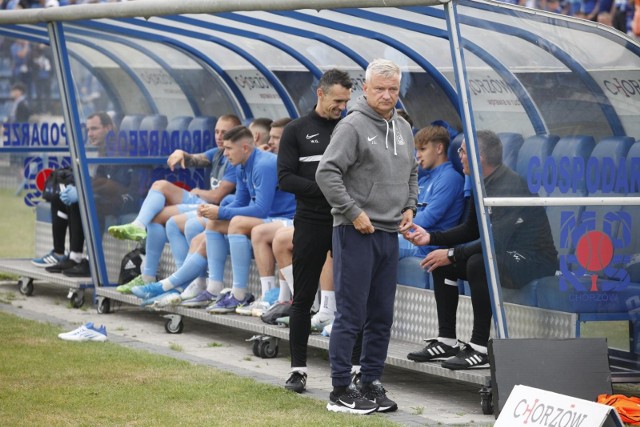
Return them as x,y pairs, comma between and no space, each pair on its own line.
255,197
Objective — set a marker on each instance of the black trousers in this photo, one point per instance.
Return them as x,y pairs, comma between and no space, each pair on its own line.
473,271
311,242
63,217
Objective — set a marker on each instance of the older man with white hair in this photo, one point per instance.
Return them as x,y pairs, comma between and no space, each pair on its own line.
369,176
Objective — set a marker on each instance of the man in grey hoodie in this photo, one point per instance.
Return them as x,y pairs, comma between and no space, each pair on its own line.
369,176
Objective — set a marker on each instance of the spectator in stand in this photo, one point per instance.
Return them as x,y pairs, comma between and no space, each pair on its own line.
21,64
42,77
20,110
166,200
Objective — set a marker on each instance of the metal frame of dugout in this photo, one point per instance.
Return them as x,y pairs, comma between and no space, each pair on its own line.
466,82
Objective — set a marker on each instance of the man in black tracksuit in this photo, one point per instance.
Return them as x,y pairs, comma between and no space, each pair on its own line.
303,142
524,251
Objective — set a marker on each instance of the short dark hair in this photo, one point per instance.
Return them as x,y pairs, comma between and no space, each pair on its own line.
262,122
432,134
19,86
334,77
105,118
280,123
232,118
237,133
490,147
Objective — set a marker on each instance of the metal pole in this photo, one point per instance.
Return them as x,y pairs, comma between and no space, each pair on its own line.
78,157
149,8
459,69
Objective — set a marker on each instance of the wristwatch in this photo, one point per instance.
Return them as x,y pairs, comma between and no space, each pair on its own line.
412,208
451,255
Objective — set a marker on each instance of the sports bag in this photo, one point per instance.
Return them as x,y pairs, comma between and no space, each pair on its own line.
131,264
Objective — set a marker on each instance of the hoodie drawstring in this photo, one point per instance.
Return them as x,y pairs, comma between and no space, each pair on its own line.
386,142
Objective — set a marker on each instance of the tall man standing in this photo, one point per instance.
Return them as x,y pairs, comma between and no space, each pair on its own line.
302,144
369,176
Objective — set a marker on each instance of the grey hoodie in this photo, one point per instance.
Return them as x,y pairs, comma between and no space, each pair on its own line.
369,166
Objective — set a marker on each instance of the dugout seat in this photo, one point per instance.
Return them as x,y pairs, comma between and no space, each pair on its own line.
511,143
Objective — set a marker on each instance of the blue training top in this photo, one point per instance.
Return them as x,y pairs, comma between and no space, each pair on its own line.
257,192
442,189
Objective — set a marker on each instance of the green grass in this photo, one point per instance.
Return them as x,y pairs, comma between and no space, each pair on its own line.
17,226
45,381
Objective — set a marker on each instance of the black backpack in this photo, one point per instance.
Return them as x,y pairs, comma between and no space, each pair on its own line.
62,176
131,264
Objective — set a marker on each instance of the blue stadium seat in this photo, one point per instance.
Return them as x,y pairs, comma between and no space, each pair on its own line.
411,274
130,122
453,152
511,143
537,146
602,180
203,131
632,250
179,123
154,122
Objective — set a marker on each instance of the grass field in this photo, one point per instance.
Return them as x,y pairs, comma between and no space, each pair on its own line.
45,381
17,226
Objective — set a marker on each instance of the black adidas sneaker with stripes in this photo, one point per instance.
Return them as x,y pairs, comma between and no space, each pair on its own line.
467,358
435,350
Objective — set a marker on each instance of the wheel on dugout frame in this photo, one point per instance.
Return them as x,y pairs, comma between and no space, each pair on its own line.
25,286
104,306
256,348
76,299
486,401
268,348
173,327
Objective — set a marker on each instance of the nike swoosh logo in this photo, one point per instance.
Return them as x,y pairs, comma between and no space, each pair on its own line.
311,136
348,405
371,139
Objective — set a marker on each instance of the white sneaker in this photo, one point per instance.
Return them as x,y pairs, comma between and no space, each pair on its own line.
327,330
247,310
86,332
194,289
320,320
260,308
170,300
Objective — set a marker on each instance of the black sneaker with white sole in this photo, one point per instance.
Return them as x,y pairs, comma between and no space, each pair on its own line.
297,382
467,358
350,400
435,350
378,395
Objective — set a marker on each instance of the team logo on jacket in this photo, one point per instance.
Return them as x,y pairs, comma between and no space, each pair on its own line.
399,138
313,138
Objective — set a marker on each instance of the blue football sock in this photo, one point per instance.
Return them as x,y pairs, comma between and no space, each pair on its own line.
151,206
193,267
177,242
192,228
156,238
217,250
240,248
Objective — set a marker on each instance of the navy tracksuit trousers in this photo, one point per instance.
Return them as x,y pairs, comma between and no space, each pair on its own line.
365,268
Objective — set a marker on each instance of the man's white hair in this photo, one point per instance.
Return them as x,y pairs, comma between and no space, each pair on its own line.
382,67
